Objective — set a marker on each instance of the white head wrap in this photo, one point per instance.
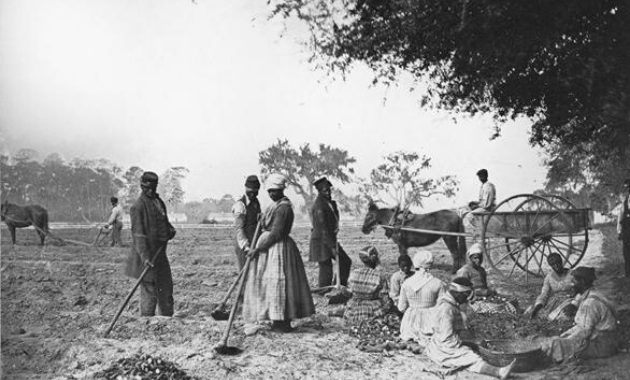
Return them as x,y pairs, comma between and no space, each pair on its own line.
475,249
422,259
459,287
276,181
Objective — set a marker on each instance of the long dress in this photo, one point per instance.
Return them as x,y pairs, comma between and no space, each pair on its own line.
555,294
594,334
445,346
276,285
369,295
418,297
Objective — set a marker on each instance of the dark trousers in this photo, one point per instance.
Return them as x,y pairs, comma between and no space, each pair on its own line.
116,229
326,269
152,296
625,242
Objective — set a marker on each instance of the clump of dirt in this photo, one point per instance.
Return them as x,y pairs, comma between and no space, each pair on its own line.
143,367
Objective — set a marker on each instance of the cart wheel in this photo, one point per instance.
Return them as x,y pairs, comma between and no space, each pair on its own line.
524,229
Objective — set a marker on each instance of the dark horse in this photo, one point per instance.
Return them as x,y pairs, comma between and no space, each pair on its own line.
439,221
15,216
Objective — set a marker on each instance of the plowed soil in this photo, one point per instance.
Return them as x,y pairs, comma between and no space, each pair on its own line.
58,301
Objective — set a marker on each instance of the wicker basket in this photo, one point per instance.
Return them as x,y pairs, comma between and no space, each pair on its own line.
528,354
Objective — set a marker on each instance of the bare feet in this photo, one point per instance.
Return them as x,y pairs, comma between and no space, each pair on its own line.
504,372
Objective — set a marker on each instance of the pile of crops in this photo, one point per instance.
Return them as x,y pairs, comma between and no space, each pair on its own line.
143,367
381,334
513,326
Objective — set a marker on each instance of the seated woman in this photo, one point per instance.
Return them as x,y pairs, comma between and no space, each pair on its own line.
369,290
485,299
397,279
418,297
594,334
445,347
556,292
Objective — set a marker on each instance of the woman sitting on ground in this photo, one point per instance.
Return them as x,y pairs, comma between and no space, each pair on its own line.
445,347
486,300
594,334
369,290
556,292
418,297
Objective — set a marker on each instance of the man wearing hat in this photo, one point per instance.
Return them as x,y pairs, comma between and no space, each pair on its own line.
115,220
245,212
623,225
594,334
324,246
151,231
486,202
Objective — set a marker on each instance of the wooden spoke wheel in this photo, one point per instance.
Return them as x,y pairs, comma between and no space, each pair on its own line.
525,229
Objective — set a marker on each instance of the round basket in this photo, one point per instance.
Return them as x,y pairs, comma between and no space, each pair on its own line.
528,354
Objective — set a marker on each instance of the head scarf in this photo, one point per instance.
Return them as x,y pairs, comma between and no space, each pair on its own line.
475,249
422,259
252,183
369,256
276,181
460,284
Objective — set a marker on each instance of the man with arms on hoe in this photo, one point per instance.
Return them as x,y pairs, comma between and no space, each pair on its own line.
151,232
246,212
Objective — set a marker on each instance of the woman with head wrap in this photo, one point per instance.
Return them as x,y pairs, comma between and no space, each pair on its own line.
556,292
418,297
369,289
594,334
276,285
445,347
486,299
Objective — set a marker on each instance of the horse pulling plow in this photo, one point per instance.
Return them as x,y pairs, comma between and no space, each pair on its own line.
519,233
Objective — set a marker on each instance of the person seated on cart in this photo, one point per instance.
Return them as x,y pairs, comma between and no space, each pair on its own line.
486,299
369,290
486,202
397,279
594,334
556,293
445,347
418,298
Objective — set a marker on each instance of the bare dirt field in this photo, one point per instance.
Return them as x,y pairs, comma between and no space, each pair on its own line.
57,302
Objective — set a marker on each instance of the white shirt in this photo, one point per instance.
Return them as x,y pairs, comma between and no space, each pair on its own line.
487,196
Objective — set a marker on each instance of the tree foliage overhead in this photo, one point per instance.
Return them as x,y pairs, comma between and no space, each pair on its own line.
399,179
304,165
562,63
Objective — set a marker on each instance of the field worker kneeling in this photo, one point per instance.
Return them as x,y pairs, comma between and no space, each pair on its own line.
594,334
445,346
277,288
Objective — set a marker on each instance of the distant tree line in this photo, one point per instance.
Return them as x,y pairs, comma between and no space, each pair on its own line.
79,190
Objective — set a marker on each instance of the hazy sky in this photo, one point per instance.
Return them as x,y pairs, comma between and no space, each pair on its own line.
159,83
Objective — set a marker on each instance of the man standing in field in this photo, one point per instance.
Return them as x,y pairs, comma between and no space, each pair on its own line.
115,220
623,226
246,211
151,232
324,246
486,202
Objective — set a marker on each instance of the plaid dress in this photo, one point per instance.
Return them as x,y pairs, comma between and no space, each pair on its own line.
277,288
369,295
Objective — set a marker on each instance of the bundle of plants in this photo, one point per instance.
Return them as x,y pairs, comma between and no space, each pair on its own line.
143,367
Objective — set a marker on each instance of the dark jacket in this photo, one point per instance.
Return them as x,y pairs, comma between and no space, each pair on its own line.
325,219
150,230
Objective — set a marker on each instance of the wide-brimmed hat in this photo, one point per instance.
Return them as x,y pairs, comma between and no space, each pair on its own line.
276,181
321,182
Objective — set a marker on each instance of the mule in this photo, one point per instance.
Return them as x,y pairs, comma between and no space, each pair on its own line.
15,216
439,221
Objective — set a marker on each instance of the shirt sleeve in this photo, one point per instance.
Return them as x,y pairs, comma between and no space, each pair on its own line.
588,315
545,292
283,215
394,289
403,303
444,329
112,216
486,196
139,233
239,225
